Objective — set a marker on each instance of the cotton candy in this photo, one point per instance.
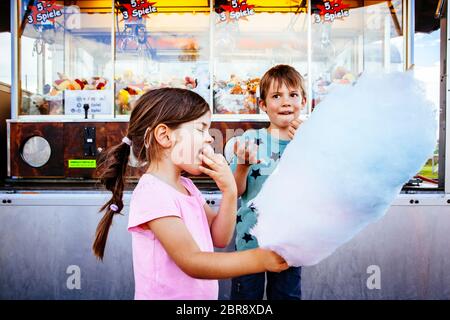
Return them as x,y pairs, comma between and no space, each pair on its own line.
345,166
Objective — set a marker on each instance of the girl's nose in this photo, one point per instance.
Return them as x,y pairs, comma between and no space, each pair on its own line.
209,138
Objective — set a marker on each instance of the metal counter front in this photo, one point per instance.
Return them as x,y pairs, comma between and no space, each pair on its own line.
46,252
46,239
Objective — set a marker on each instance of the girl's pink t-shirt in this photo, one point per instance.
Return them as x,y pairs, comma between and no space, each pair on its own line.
156,275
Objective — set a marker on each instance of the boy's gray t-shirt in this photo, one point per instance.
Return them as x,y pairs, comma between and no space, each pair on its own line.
270,150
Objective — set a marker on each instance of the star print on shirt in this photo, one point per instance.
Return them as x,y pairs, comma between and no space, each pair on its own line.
238,219
247,237
275,156
255,173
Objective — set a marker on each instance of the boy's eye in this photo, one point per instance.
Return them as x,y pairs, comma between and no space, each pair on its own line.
294,95
276,96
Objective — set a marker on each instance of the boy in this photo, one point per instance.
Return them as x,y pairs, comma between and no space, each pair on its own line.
256,154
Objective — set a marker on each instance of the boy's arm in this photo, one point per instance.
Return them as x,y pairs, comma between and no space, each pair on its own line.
245,154
240,175
184,251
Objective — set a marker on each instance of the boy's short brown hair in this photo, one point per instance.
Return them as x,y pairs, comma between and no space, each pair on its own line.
280,74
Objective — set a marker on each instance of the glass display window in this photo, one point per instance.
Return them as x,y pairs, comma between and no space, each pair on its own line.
349,37
99,57
249,38
166,45
66,58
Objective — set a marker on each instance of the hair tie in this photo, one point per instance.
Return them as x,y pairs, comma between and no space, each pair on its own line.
114,207
126,140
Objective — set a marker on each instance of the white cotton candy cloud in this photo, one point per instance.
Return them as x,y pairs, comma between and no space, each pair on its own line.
345,166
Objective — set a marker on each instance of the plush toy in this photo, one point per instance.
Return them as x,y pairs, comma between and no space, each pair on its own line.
234,80
126,97
100,84
250,104
342,76
74,85
349,77
61,84
64,83
38,105
339,72
55,104
81,83
47,88
134,90
237,89
221,84
123,97
252,85
190,83
54,92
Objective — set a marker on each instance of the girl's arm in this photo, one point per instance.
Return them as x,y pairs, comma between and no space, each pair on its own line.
181,247
223,222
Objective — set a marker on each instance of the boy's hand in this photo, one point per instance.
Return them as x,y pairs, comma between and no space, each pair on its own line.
293,126
247,153
216,166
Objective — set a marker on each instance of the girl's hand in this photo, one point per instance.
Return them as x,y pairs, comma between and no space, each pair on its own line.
216,166
293,126
246,152
272,261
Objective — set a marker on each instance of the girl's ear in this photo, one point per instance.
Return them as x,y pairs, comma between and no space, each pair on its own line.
162,135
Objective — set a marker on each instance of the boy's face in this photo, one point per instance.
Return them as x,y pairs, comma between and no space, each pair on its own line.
282,104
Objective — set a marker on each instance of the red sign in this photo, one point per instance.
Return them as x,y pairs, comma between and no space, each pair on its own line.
237,10
138,9
331,10
44,11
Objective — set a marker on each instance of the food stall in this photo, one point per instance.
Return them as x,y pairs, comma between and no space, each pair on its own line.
78,67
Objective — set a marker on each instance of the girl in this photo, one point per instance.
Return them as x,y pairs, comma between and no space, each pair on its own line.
173,229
